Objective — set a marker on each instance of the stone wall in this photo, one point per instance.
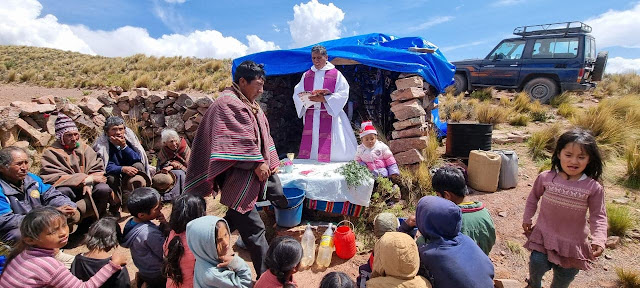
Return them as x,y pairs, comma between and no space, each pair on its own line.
32,123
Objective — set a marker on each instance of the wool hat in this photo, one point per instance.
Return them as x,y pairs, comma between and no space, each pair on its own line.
63,125
367,128
385,222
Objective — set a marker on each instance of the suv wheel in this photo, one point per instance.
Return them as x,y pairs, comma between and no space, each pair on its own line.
541,89
598,68
460,83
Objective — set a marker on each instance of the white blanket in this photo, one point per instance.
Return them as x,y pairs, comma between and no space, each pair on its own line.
324,183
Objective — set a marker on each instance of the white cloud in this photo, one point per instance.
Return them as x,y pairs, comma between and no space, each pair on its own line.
170,18
314,22
21,23
617,28
175,1
507,2
430,23
275,27
623,65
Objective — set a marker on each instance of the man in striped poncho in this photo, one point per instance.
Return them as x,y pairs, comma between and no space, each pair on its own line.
233,153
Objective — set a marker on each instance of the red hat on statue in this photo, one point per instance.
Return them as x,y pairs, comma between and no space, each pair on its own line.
367,128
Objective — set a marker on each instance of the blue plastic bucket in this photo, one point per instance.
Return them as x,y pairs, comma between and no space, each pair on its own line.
292,215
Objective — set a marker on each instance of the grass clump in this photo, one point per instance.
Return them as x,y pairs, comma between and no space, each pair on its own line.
144,81
545,165
522,102
430,154
542,143
563,98
610,131
519,119
620,220
483,94
487,113
567,110
538,112
632,157
628,278
415,182
456,108
514,247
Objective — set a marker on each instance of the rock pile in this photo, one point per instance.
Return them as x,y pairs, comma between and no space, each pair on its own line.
411,106
32,124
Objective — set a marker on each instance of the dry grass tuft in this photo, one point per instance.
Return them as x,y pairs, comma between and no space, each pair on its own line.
566,97
521,102
610,131
632,157
538,112
415,182
430,154
483,94
456,108
487,113
620,220
519,119
628,278
567,110
542,143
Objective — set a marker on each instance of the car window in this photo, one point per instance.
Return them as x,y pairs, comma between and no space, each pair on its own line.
555,48
508,50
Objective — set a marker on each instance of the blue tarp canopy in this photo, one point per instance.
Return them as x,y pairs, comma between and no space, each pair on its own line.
375,50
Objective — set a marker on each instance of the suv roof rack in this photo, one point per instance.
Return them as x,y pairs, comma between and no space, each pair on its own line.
552,28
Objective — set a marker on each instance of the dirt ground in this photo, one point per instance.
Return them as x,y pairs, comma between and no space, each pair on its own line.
508,256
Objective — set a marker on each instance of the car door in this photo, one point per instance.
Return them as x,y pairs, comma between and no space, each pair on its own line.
502,66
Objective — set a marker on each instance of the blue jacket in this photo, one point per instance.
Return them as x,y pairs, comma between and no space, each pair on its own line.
15,204
119,158
145,241
450,259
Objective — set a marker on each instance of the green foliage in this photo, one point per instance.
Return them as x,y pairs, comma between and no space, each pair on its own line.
620,219
354,173
545,165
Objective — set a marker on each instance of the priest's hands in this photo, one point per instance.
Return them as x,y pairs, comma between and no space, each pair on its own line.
262,172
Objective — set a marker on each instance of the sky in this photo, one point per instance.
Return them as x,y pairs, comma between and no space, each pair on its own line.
462,29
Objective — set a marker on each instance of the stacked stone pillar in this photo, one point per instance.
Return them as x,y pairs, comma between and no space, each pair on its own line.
413,121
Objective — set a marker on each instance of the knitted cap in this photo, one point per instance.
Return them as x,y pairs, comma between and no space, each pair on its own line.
367,128
63,125
385,222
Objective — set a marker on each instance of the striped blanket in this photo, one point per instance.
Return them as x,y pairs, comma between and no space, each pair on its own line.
229,137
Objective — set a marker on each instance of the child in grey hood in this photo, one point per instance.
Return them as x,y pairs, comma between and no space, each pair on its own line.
216,264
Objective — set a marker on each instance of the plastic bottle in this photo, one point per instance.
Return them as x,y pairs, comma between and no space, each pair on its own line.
325,251
308,247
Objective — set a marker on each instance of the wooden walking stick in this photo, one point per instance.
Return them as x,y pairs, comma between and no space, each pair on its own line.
88,189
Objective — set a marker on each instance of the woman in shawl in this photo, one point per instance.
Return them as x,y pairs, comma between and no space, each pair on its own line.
173,160
216,264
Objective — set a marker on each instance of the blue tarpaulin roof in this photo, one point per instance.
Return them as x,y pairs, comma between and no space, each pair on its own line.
375,50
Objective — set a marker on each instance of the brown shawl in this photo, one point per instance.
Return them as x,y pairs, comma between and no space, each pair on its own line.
181,155
230,134
69,168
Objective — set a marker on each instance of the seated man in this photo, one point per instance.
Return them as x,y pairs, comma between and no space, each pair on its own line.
76,170
127,165
21,191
